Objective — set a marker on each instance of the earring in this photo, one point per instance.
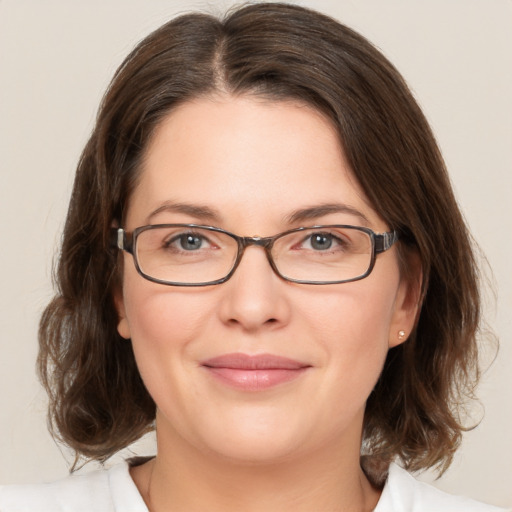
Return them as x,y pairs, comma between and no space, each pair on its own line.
401,335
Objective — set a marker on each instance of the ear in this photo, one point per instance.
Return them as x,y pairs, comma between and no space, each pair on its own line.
408,300
123,327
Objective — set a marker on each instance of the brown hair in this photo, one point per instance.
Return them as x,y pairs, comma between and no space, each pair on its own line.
98,403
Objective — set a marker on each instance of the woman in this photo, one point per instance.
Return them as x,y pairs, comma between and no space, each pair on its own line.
264,261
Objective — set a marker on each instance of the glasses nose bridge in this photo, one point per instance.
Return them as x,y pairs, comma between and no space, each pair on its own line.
259,241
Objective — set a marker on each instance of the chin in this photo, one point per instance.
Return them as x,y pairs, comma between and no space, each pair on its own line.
254,438
260,451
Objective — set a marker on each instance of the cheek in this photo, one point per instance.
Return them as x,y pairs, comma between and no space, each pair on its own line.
351,329
352,315
164,322
157,313
157,319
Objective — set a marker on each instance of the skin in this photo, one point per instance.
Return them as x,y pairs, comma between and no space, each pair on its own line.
296,445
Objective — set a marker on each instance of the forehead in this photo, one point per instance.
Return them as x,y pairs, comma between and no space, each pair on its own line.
245,158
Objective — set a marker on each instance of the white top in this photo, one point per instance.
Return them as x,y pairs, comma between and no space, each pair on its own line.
113,490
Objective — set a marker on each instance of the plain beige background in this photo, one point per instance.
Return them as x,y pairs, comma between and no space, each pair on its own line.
56,58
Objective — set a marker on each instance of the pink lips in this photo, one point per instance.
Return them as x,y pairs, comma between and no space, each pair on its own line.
254,373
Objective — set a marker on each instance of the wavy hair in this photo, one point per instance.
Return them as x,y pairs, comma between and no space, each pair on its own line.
98,403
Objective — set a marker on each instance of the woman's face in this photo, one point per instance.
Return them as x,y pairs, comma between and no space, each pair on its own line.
257,168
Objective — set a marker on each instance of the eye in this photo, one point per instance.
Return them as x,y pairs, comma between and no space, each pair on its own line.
187,242
322,241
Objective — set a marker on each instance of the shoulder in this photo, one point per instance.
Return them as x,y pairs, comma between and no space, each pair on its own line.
99,491
403,493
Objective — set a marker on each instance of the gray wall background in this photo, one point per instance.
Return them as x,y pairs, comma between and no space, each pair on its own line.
56,58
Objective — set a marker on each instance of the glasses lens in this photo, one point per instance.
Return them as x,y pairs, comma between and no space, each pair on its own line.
325,254
184,254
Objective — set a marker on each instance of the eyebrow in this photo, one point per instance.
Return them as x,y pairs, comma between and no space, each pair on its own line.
203,213
206,213
315,212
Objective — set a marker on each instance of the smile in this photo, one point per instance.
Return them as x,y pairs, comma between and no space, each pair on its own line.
254,373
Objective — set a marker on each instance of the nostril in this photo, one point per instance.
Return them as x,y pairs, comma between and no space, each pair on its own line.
269,321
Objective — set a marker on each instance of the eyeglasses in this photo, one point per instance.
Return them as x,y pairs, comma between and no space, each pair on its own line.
194,255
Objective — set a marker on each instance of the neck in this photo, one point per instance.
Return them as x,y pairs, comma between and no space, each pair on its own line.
183,478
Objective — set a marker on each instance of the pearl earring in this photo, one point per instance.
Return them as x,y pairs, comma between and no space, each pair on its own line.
401,335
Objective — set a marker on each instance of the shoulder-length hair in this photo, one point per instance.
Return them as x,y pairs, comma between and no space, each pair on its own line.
98,403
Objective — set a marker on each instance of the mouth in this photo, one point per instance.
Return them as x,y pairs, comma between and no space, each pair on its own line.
254,373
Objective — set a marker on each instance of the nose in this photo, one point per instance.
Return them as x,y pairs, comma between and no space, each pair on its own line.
254,297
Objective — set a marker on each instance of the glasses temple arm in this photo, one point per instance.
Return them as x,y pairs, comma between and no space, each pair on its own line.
384,241
119,240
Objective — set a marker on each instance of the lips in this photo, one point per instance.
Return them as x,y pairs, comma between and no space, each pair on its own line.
254,373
